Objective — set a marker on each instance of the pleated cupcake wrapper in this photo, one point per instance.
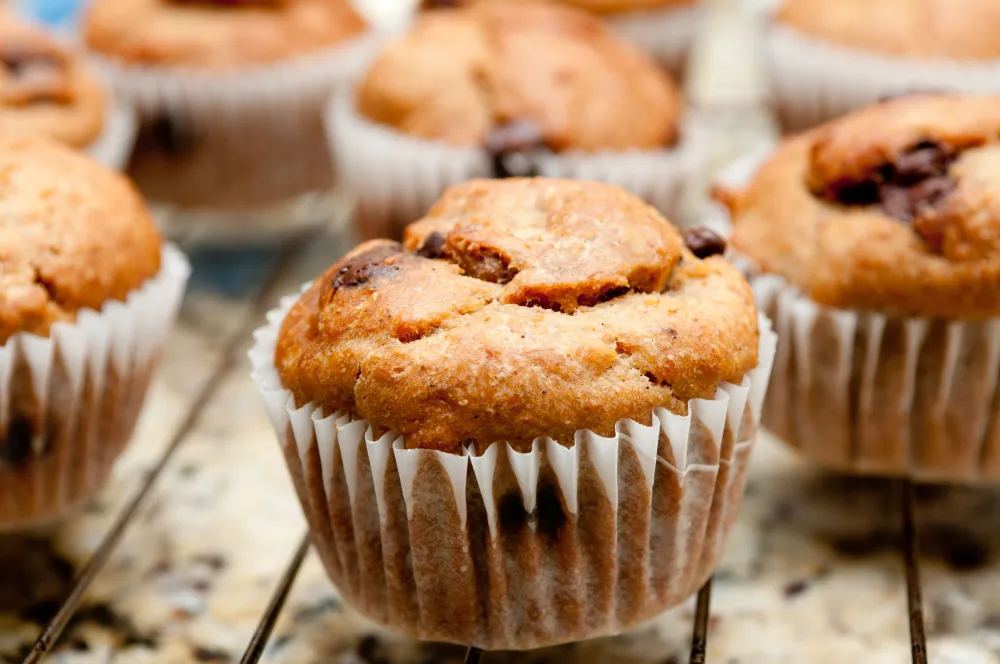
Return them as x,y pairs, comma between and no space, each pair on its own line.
69,401
396,178
665,34
114,146
871,393
813,81
517,550
249,138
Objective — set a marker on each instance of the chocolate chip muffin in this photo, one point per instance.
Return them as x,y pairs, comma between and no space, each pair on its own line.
230,93
876,238
504,88
828,58
663,28
87,293
555,336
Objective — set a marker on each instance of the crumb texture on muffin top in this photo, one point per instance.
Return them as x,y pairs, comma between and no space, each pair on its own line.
217,34
593,6
74,235
44,89
929,29
460,74
895,208
516,309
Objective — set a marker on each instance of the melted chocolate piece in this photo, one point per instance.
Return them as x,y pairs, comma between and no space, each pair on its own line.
704,242
486,264
15,448
439,4
433,246
361,268
36,73
508,145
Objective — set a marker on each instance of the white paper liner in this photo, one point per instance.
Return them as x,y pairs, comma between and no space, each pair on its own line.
511,550
396,178
814,81
114,146
875,394
251,141
69,401
666,34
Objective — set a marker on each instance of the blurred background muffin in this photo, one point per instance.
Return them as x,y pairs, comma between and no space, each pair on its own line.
504,88
828,58
230,93
46,90
88,293
665,29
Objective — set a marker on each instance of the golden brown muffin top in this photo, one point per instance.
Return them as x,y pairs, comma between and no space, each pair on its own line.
44,89
75,235
593,6
520,308
217,34
950,29
460,75
894,208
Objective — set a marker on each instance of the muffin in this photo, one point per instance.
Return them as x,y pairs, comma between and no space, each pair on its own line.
663,28
498,89
526,354
828,58
88,292
875,239
230,93
45,90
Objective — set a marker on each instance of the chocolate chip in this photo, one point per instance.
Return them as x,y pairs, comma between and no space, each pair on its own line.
36,74
15,449
361,268
433,246
704,242
439,4
924,160
486,264
509,145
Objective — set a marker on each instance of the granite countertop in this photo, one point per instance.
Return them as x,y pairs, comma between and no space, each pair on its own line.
813,571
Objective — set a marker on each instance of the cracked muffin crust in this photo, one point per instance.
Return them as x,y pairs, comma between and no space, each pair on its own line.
593,6
75,235
929,29
44,89
515,309
462,75
894,208
217,34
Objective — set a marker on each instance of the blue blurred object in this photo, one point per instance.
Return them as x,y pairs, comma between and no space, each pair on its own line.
54,13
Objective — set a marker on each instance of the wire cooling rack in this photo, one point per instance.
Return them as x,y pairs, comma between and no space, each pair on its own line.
908,543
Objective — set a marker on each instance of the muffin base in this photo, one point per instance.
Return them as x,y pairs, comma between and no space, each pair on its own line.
69,401
395,178
814,81
508,550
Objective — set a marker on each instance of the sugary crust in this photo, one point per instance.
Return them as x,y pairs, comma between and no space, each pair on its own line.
459,73
612,6
65,103
516,309
932,29
944,262
75,235
202,36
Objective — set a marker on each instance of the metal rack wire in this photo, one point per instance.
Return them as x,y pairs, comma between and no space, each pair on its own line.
909,547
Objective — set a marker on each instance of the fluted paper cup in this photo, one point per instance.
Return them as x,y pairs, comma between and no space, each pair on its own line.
518,550
114,146
666,34
69,401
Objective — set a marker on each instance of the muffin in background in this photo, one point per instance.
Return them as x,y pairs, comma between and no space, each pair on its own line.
472,418
88,293
874,241
665,29
230,93
504,88
46,90
829,58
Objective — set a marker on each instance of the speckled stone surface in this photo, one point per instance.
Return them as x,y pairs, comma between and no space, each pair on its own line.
813,572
